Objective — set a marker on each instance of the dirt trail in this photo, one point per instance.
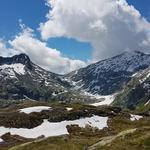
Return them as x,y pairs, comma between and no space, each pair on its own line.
106,140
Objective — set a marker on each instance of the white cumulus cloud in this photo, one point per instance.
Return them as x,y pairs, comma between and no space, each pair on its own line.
111,26
41,54
5,51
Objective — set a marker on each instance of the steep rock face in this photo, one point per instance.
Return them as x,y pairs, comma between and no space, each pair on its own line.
21,78
136,94
109,76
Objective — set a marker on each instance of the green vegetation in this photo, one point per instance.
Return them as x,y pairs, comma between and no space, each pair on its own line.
58,143
138,140
119,123
11,117
133,139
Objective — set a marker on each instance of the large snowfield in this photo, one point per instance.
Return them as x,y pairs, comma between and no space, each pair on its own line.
55,129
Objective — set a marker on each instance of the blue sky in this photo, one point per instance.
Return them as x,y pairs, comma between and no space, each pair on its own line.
33,12
143,6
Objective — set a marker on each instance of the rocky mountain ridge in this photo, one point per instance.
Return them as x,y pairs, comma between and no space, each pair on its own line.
108,76
20,78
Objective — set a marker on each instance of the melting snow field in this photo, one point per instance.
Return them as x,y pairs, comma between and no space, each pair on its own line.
135,117
55,129
107,100
34,109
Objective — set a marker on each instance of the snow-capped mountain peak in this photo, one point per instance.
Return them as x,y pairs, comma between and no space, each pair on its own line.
127,61
20,77
17,59
108,76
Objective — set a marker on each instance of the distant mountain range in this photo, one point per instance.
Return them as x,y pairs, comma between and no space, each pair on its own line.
20,78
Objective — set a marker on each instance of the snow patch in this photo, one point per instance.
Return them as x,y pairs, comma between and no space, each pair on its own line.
144,79
12,69
69,109
55,129
134,75
135,117
105,100
1,140
147,103
54,94
34,109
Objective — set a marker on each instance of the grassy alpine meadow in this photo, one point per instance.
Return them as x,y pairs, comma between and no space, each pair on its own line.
120,130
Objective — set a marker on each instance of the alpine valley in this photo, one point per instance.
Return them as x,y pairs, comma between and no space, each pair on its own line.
103,106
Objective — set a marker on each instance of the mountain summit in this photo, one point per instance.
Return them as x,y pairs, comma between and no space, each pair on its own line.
108,76
21,78
17,59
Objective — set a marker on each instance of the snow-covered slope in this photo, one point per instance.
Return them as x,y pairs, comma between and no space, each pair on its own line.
136,93
20,78
106,100
12,69
108,76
